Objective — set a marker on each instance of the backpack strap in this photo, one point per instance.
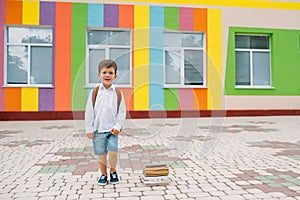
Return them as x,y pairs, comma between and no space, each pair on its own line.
119,97
95,93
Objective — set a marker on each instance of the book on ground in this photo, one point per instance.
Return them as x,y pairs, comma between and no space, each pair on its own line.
156,170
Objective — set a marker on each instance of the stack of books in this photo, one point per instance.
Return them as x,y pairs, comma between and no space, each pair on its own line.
155,174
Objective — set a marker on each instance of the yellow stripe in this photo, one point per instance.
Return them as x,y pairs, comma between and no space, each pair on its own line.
273,4
141,58
30,98
214,60
31,12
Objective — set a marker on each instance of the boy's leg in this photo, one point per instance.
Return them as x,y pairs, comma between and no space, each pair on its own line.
112,147
102,164
113,159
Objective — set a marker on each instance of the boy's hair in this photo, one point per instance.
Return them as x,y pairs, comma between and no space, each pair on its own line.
107,63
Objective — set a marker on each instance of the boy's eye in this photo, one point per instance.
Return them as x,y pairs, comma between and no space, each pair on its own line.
111,73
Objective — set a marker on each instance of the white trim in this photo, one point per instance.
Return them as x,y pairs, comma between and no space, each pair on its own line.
183,86
181,50
254,87
29,46
251,51
107,48
29,86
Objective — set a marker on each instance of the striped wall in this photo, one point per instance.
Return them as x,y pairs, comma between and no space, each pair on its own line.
70,21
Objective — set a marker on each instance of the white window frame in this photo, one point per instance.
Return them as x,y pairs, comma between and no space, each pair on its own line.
29,45
181,50
251,51
106,49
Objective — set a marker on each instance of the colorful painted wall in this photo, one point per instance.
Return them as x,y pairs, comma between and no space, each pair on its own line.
148,20
70,22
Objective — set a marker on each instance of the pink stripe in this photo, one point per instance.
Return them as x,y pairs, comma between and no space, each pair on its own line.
2,23
186,99
186,16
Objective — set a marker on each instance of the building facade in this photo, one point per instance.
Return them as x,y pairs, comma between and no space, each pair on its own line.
173,57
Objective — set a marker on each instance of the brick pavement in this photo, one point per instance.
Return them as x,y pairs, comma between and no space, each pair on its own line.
209,158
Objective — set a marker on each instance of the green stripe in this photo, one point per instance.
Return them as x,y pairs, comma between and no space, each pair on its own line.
79,25
172,18
171,99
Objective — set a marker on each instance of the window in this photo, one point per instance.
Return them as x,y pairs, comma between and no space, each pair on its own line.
252,54
28,56
184,59
109,44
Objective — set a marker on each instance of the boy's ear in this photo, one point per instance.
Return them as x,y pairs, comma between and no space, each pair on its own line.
99,75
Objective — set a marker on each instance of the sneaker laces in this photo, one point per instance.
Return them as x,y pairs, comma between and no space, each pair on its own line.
114,176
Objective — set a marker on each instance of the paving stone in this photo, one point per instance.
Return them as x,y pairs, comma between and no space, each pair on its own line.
254,158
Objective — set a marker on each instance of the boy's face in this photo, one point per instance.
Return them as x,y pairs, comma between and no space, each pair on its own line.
107,76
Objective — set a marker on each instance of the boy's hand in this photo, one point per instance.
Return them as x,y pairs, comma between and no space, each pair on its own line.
115,132
90,135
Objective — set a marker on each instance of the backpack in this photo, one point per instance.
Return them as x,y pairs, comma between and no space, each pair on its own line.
95,93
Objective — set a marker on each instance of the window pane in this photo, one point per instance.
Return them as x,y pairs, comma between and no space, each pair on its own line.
29,35
261,68
119,38
122,58
98,37
242,68
192,40
41,65
242,41
172,63
17,63
193,67
183,39
95,56
109,37
18,35
172,39
259,42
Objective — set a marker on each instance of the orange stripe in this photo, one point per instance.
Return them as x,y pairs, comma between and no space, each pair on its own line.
200,99
200,24
200,19
12,101
128,96
63,33
13,12
126,13
126,16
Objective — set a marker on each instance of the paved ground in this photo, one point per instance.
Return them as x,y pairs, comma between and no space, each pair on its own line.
209,158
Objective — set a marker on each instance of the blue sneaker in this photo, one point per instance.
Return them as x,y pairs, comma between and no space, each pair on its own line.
102,180
114,178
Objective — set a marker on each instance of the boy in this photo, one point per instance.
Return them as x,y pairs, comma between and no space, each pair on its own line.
104,116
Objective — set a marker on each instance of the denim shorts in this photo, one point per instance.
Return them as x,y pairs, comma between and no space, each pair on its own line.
102,144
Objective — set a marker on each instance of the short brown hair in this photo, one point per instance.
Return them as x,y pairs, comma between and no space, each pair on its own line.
107,63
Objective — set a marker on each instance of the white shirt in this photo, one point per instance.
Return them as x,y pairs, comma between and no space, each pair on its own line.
104,116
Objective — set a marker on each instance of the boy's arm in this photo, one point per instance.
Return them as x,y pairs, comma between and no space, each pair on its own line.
121,114
89,115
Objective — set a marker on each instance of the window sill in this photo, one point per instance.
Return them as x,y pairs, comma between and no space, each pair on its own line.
255,87
27,86
184,87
